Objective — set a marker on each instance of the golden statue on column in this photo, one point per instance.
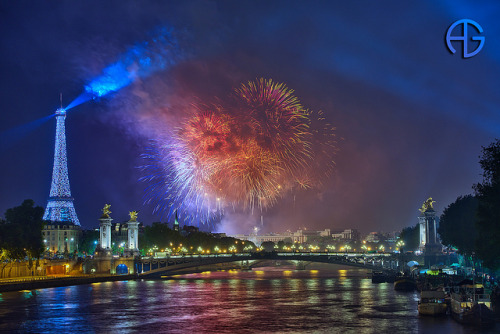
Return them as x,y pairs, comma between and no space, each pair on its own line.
133,215
106,211
428,205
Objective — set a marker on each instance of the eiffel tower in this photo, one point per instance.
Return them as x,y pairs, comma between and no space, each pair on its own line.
60,204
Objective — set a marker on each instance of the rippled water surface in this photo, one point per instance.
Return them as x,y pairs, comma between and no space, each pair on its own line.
328,300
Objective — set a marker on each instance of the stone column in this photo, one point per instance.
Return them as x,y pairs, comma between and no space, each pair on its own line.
422,229
133,237
430,225
433,249
105,233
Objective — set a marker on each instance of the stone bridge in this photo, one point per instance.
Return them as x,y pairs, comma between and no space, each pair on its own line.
157,267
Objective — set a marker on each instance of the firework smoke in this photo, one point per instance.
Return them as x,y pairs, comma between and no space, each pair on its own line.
244,152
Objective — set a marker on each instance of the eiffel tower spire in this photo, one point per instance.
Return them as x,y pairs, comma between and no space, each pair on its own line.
60,204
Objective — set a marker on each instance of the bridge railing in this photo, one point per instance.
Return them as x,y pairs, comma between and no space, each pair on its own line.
157,264
340,254
195,256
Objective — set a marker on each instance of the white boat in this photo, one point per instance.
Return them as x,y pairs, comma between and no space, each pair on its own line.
432,303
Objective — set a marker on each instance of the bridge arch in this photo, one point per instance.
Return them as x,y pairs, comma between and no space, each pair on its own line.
150,267
122,269
123,263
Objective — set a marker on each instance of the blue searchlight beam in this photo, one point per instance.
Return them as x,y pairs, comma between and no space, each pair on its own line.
140,61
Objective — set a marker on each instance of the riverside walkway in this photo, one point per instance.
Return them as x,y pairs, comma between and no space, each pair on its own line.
40,282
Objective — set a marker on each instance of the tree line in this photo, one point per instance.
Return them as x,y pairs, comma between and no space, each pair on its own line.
471,224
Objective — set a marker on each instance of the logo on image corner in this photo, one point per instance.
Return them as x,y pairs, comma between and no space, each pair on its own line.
470,30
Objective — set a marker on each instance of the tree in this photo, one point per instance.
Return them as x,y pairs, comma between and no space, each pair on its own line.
488,212
267,246
160,235
21,231
319,241
88,241
457,224
411,237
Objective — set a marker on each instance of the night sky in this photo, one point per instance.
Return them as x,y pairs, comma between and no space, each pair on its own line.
410,117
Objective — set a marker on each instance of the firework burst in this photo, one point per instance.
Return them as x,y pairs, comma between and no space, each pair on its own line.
246,151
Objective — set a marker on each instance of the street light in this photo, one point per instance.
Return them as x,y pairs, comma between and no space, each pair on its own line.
400,244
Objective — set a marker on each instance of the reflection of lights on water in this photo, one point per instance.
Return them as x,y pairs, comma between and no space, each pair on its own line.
329,283
27,293
287,272
314,272
343,273
259,272
365,290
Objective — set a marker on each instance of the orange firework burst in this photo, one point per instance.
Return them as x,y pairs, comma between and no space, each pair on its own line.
247,150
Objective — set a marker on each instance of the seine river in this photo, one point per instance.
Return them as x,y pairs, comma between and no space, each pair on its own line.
271,300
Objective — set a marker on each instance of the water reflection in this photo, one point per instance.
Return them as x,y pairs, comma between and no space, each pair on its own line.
266,300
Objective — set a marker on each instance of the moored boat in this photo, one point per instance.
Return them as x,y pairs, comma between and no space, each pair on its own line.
378,277
432,303
405,283
383,276
470,305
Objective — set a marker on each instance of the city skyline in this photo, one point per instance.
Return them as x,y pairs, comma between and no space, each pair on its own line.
410,117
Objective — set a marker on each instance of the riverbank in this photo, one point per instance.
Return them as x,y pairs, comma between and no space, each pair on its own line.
53,282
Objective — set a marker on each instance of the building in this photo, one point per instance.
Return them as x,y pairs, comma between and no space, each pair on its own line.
373,237
218,235
300,236
61,237
176,222
347,234
188,229
119,233
392,237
